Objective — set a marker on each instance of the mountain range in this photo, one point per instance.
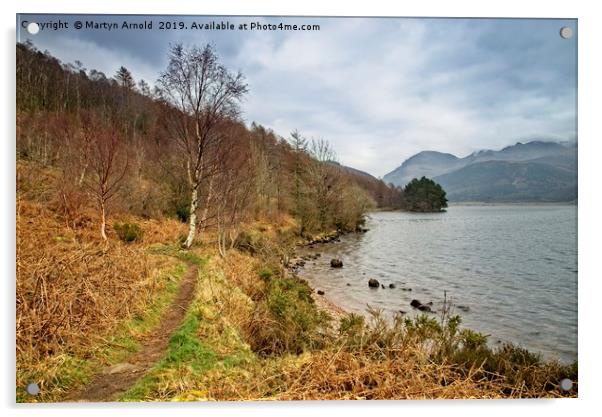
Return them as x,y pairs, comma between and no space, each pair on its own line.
524,172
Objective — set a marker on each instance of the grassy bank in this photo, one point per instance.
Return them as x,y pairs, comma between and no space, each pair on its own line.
252,332
240,341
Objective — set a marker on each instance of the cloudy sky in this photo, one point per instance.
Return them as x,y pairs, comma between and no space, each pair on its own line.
379,89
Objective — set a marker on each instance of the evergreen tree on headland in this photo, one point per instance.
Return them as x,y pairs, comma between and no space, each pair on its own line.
424,195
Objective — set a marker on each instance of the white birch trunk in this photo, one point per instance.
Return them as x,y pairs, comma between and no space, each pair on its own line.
207,203
103,221
82,175
194,201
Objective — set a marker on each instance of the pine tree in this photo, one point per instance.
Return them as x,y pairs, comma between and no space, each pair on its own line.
424,195
124,78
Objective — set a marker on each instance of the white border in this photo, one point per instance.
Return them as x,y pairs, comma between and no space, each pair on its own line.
590,288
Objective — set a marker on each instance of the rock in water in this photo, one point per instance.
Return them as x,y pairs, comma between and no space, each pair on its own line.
391,285
320,292
415,303
373,283
336,263
425,308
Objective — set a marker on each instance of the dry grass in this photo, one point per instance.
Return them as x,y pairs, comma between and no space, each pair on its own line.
241,271
163,231
65,286
373,372
73,290
337,375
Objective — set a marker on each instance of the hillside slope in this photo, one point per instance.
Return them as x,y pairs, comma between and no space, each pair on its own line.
533,171
503,181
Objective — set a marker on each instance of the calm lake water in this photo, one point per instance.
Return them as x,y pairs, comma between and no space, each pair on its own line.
514,266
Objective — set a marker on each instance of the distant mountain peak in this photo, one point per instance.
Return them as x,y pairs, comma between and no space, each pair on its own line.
489,174
430,156
436,154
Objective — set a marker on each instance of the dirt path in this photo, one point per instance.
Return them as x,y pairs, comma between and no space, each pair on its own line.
116,379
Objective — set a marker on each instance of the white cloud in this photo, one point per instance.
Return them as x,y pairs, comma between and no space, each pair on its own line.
98,57
382,90
381,99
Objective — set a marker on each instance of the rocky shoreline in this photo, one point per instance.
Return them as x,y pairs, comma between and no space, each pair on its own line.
298,262
294,265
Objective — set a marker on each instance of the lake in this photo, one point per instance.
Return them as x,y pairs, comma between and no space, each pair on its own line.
513,266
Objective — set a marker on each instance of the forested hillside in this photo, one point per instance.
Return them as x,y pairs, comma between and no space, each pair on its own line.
181,149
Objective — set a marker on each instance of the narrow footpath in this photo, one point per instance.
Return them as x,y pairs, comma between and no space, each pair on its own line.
113,381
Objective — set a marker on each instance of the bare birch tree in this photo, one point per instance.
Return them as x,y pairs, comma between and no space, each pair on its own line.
204,92
325,178
108,163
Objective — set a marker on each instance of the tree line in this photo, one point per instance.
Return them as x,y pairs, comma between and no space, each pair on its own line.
180,150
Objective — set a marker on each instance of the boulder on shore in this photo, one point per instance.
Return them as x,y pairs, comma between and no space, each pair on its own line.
422,307
373,283
336,263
